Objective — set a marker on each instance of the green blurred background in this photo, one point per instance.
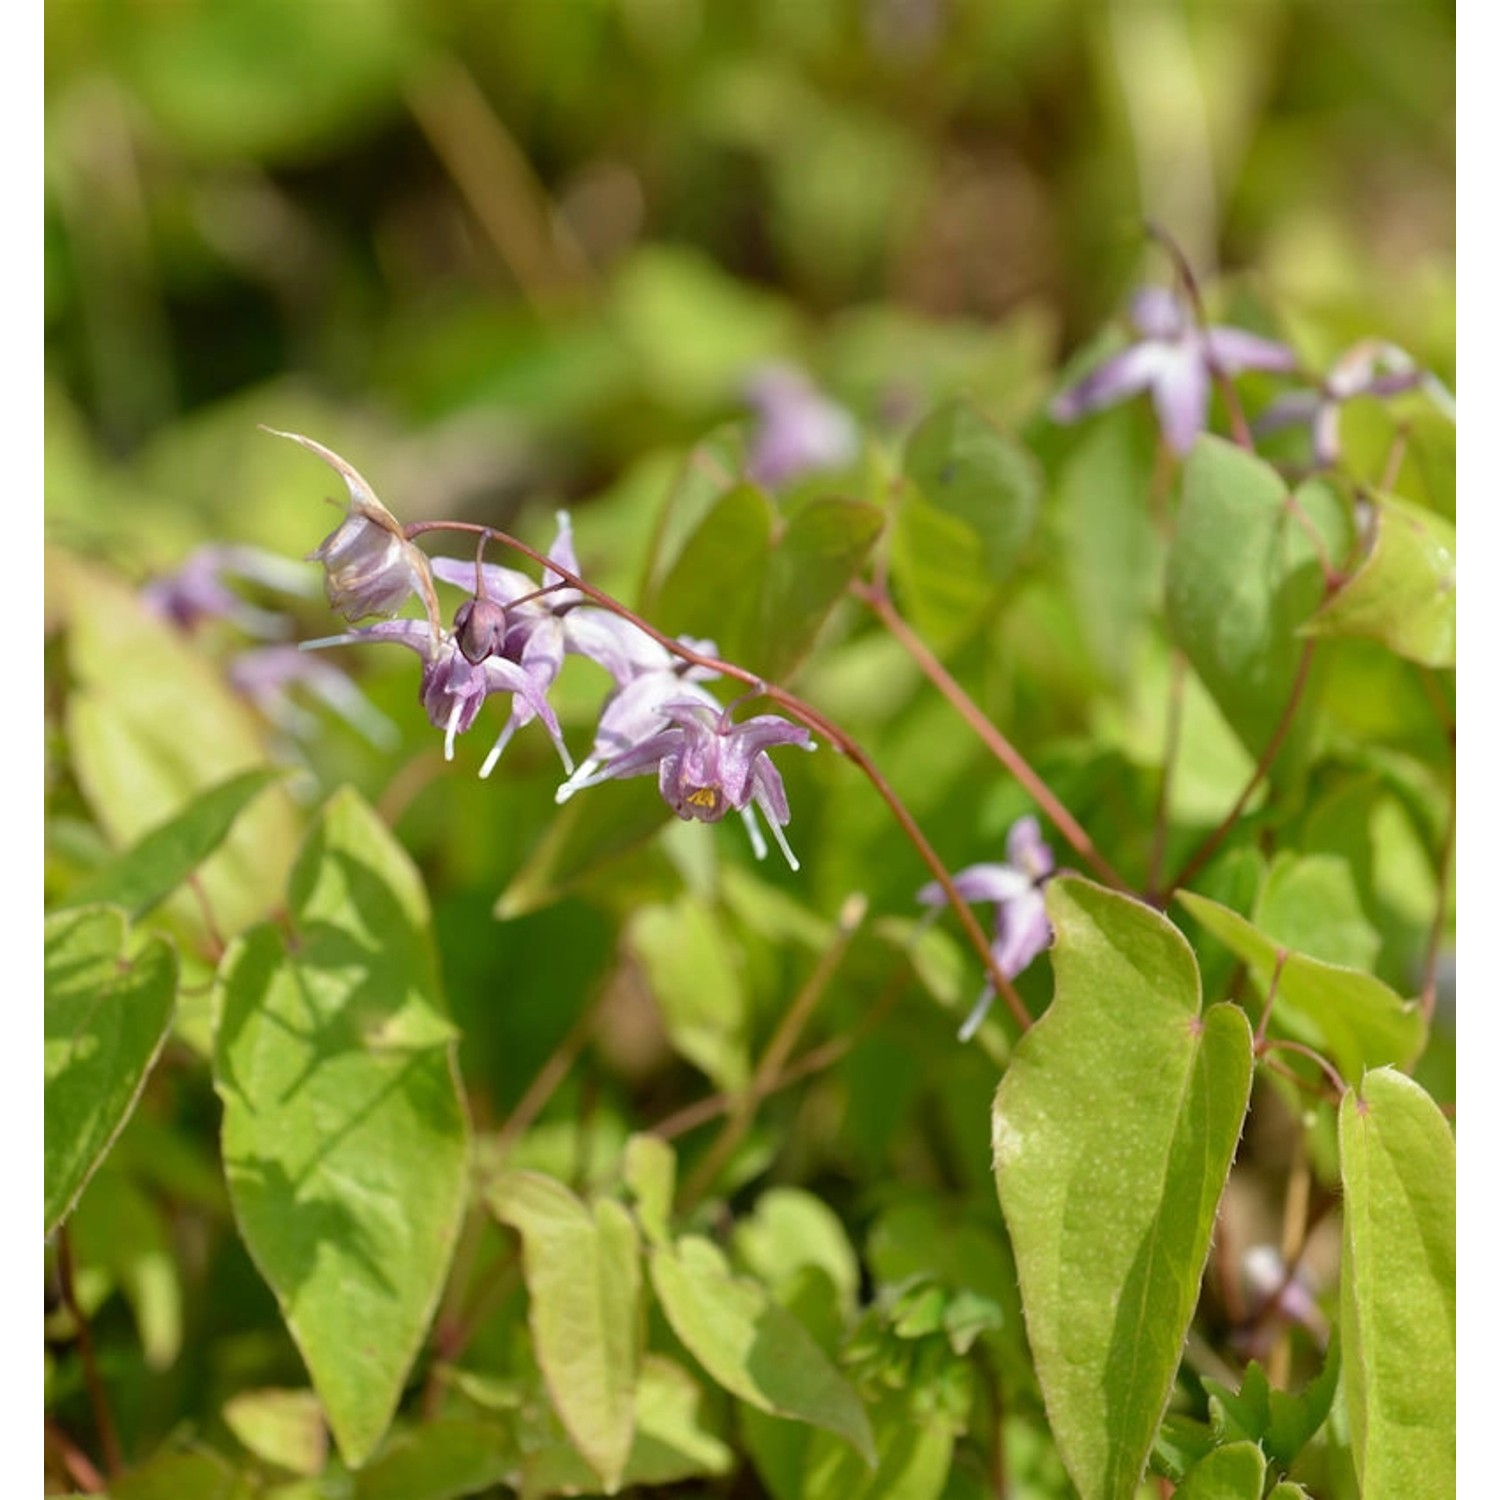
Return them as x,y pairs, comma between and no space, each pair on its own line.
552,235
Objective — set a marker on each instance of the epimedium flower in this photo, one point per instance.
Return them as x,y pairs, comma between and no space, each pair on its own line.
454,688
705,763
1176,361
1015,887
797,430
1370,368
198,589
369,565
267,675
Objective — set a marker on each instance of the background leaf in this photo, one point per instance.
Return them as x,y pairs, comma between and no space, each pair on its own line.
152,869
345,1138
1114,1128
1404,593
753,1347
1236,1471
106,1011
1242,579
1358,1021
964,521
583,1273
1397,1291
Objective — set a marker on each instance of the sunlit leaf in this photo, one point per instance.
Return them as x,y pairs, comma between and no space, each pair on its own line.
106,1010
150,871
1114,1128
1236,1471
1243,576
1398,1293
1358,1021
1404,593
283,1428
583,1273
444,1459
151,724
345,1137
751,1345
650,1170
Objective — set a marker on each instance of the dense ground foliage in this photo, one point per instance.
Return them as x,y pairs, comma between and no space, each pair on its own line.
888,931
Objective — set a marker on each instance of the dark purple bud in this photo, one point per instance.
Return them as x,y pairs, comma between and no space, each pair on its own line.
479,628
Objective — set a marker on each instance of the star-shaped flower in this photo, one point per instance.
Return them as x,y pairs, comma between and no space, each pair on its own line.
1021,926
1176,361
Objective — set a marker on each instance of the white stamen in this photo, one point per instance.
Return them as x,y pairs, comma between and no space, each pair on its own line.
752,827
453,716
327,640
580,778
786,848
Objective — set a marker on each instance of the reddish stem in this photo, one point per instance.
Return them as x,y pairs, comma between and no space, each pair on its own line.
998,745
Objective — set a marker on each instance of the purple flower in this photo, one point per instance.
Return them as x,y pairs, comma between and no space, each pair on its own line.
705,764
797,429
1176,361
1021,926
267,674
1369,368
454,688
198,590
370,568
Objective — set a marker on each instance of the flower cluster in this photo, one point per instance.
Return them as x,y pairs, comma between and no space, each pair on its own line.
1177,361
510,636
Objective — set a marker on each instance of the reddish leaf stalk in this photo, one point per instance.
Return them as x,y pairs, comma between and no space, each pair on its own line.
1210,845
842,742
104,1421
998,745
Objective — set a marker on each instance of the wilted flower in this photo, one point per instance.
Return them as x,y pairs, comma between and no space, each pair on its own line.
198,590
1176,361
370,568
706,764
798,430
1370,368
1021,926
1277,1296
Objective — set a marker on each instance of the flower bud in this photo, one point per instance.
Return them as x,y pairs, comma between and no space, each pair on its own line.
479,628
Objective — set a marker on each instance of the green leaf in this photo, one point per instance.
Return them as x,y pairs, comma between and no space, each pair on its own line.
1397,1295
751,1345
1243,577
150,871
1282,1423
964,521
282,1428
1114,1128
182,1476
789,1229
345,1137
714,587
688,960
1312,904
650,1172
1351,1016
583,1273
121,1230
1236,1471
814,558
1404,593
600,825
441,1460
106,1014
151,724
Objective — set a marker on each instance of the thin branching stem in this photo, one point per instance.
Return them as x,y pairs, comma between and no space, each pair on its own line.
104,1422
844,743
1284,1044
1210,845
774,1060
994,741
